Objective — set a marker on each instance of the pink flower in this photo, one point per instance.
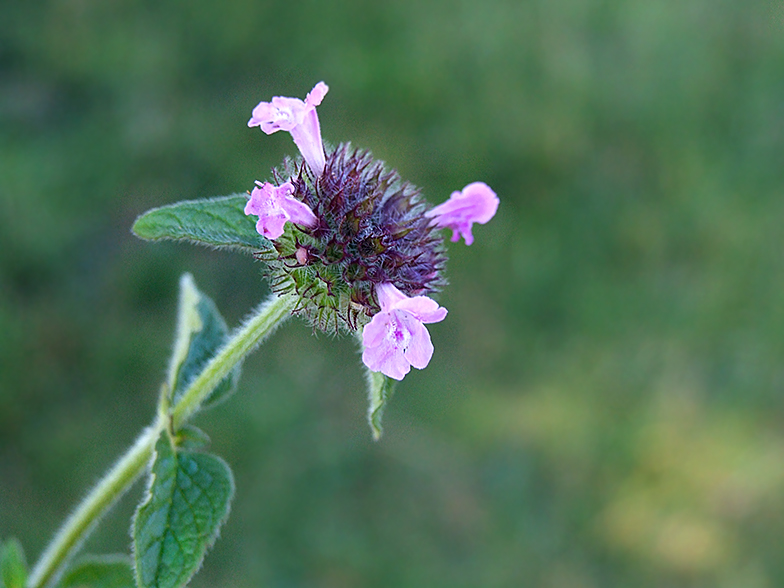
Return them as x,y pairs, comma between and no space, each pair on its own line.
298,118
396,338
275,205
477,203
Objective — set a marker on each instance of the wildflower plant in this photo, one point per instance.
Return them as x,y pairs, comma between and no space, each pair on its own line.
346,244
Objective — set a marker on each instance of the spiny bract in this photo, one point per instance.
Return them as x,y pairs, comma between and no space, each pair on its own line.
371,230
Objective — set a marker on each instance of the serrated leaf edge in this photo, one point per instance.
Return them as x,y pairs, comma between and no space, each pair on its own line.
147,498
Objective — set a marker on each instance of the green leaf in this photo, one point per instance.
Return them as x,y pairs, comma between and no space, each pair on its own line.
215,222
380,389
100,571
201,331
187,502
191,438
13,567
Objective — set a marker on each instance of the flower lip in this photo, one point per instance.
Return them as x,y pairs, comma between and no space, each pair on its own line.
281,114
298,118
396,338
476,203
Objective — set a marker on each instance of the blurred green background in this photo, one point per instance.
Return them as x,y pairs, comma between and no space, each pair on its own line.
605,404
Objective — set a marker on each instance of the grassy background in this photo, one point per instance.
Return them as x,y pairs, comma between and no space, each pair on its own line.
605,405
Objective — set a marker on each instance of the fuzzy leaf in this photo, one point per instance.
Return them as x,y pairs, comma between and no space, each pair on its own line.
201,331
100,571
214,222
187,502
13,567
380,389
191,438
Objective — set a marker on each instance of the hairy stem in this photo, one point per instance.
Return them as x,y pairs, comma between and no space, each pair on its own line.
127,469
83,520
261,324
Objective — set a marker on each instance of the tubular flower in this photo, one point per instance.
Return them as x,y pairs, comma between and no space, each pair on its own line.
298,118
477,203
274,206
396,338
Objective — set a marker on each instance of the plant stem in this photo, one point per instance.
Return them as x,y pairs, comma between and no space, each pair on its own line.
262,323
81,523
127,469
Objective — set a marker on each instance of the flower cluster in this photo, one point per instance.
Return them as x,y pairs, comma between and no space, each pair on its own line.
358,245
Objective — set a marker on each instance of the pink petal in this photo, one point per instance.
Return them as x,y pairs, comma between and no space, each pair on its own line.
274,205
262,199
386,359
282,114
483,200
423,308
316,95
271,225
299,213
477,203
385,339
298,118
375,331
395,365
396,337
307,138
389,296
420,348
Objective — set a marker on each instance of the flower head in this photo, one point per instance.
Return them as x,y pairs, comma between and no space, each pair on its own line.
298,118
477,203
370,229
363,249
396,338
275,205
